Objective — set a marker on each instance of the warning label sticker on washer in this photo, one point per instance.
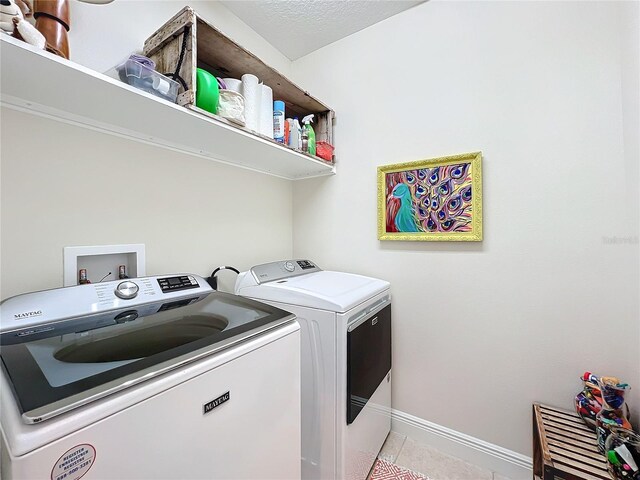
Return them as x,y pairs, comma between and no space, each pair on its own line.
74,463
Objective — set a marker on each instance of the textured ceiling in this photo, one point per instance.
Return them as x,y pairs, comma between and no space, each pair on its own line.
298,27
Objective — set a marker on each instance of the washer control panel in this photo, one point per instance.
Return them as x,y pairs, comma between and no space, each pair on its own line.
182,282
126,290
31,313
270,272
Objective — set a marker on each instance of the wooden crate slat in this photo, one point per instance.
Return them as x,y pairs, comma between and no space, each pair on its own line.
579,450
538,453
324,127
572,423
556,421
584,436
575,419
191,72
579,423
581,436
598,472
584,475
570,418
596,460
568,413
591,446
167,60
174,27
542,435
164,48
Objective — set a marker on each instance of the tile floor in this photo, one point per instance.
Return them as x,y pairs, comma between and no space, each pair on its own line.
408,454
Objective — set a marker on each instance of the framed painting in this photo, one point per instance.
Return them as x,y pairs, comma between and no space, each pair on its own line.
439,199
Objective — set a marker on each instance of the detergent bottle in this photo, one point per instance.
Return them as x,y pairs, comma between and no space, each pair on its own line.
311,143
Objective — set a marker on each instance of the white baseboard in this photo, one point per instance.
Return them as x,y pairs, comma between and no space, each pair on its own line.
473,450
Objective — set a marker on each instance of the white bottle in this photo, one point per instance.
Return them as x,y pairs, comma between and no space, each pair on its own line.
295,136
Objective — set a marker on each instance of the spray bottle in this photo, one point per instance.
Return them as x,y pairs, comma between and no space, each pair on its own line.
310,134
295,136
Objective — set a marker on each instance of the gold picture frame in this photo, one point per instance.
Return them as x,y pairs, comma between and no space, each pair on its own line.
439,199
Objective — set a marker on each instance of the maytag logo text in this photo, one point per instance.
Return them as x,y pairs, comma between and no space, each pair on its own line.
207,407
20,316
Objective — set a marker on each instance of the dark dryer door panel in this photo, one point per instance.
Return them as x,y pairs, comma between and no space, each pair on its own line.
368,359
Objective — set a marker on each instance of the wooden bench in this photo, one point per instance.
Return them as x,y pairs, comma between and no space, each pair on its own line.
564,447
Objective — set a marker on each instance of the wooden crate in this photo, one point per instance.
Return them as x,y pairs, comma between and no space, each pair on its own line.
210,49
564,447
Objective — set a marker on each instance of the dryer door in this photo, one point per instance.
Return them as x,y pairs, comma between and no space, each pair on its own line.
368,358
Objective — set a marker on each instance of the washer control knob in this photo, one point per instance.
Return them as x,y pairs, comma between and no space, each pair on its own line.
289,266
126,290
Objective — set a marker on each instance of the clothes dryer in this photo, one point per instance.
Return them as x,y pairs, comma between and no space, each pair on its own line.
345,324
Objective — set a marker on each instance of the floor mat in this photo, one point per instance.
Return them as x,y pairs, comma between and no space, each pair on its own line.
383,470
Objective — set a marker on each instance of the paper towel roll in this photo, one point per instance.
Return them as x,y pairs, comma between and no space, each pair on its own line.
266,111
251,92
233,84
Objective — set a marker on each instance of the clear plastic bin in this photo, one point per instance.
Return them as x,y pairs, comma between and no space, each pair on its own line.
140,76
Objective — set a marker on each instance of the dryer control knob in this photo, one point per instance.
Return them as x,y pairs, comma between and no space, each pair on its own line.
126,290
289,266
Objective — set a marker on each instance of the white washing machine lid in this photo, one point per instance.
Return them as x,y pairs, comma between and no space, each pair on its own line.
58,357
324,290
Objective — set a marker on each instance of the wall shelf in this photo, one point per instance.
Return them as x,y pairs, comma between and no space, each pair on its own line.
40,83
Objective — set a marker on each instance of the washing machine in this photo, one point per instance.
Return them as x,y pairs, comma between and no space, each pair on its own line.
148,378
345,324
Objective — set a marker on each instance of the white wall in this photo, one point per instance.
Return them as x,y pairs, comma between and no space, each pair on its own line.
630,35
481,330
63,185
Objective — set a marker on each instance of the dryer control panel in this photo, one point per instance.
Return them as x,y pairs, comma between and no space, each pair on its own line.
271,272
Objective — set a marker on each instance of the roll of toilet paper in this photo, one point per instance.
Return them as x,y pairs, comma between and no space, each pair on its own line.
266,111
252,97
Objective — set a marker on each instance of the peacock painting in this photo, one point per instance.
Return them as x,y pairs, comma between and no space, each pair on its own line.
434,197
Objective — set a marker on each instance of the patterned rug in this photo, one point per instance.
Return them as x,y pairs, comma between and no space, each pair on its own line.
383,470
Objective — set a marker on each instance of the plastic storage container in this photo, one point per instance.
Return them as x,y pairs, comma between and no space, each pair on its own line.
622,450
589,401
324,150
140,76
614,411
